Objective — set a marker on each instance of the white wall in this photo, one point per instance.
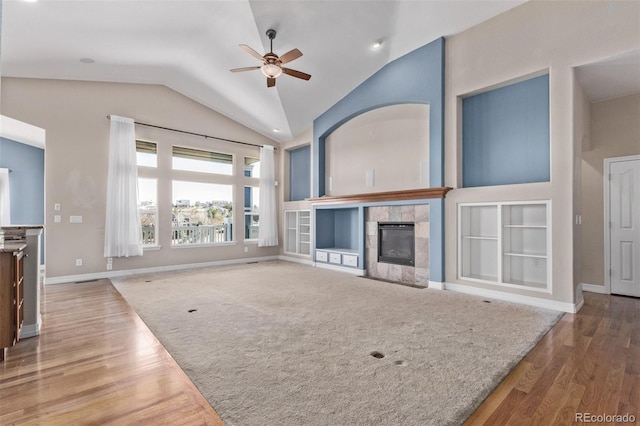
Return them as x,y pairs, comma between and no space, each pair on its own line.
536,37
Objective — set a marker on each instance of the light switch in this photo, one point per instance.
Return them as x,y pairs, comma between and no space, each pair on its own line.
57,218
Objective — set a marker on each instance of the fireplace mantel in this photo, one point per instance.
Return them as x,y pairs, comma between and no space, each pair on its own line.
409,194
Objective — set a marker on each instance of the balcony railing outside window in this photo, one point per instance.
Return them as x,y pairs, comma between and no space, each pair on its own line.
196,234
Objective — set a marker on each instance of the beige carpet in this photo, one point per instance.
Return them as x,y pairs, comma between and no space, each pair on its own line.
278,343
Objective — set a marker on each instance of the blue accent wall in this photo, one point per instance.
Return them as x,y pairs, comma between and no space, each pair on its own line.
26,181
505,135
299,173
417,77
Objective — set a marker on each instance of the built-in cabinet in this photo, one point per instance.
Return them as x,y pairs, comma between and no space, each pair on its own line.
339,236
297,225
505,243
11,294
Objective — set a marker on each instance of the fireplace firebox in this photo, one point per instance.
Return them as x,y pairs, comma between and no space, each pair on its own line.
396,243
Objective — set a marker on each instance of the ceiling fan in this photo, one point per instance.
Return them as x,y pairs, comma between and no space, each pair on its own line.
272,64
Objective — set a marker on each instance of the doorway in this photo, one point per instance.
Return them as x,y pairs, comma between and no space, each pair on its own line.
622,225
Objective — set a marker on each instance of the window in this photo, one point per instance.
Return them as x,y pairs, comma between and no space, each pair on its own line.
147,154
202,213
195,160
251,167
251,212
148,209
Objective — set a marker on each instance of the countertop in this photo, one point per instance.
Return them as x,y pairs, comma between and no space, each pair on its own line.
12,247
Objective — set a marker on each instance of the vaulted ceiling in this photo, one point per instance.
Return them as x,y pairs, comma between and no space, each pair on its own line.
190,46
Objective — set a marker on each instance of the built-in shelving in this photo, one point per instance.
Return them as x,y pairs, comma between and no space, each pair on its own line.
505,243
297,232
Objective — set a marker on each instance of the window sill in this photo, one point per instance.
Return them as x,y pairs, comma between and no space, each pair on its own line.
151,247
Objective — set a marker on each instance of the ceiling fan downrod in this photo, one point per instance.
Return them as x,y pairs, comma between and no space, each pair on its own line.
271,34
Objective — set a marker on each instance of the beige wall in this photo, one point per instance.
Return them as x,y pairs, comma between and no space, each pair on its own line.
581,135
392,142
74,117
536,37
615,132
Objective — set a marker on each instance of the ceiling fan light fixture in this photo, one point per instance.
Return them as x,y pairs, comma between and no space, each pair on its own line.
271,70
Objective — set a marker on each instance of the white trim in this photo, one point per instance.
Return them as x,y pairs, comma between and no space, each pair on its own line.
548,289
436,285
30,330
34,232
594,288
517,298
296,260
22,132
606,172
128,272
354,271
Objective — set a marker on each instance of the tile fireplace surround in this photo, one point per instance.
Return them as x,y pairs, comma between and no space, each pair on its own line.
418,275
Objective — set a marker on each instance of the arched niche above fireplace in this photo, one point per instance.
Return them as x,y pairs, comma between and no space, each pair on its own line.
385,149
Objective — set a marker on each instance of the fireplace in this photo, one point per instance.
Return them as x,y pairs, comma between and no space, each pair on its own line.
396,243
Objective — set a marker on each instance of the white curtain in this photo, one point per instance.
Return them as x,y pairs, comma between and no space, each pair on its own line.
123,232
268,224
5,206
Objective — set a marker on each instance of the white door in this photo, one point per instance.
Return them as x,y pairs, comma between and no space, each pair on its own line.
624,216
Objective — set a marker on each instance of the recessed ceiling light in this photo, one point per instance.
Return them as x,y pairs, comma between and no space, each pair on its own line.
86,60
376,44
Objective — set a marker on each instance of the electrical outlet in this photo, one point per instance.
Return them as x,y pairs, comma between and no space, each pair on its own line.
78,262
109,260
57,218
75,219
246,249
56,207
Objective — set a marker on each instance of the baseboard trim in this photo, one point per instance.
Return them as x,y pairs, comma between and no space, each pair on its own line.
168,268
594,288
354,271
296,260
516,298
436,285
29,330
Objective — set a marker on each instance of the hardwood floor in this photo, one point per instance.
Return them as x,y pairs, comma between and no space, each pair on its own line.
96,362
588,363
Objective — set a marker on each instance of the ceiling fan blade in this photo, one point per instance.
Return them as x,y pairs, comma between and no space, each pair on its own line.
251,52
244,69
271,82
297,74
290,56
